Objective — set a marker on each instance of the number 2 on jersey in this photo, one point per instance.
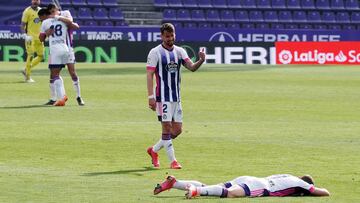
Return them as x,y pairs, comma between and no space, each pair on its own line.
165,108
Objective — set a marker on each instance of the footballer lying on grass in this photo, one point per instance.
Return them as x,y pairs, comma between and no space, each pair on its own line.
247,186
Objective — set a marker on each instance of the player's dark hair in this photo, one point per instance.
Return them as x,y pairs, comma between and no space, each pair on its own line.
51,6
168,27
43,11
308,179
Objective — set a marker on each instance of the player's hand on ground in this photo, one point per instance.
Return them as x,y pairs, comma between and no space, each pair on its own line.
152,104
202,54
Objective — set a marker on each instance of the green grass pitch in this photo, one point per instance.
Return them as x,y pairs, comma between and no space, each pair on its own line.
238,120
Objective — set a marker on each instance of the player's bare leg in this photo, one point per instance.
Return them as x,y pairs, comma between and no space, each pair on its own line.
176,129
167,143
76,83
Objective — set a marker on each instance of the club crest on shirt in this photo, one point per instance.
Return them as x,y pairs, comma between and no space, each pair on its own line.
172,67
37,20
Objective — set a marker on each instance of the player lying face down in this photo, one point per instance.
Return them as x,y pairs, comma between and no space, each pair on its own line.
247,186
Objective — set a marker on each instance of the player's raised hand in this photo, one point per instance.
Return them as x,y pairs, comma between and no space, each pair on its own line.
202,54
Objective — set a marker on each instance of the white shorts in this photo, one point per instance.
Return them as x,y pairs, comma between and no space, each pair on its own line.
59,56
169,111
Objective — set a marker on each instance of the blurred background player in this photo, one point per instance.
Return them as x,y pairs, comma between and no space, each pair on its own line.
56,28
164,61
30,26
54,10
247,186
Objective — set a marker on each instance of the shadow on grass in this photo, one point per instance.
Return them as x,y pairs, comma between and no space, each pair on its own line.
140,71
137,172
12,82
26,107
168,197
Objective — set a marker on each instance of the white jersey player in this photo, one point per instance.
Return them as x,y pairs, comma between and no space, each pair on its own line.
54,10
247,186
56,28
164,62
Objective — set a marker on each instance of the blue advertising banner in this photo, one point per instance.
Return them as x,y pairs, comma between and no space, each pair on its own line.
199,35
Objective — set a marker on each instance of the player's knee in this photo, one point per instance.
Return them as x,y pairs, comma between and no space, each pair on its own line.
175,133
166,126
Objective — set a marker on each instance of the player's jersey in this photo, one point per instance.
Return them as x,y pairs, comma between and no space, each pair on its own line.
285,185
60,33
275,185
167,65
31,19
69,39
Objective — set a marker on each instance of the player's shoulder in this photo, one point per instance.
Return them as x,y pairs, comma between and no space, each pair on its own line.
65,13
27,9
179,49
155,49
47,22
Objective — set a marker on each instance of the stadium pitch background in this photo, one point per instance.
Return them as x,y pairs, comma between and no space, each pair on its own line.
123,51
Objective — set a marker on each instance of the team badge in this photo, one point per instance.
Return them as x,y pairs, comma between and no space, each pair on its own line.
37,20
172,67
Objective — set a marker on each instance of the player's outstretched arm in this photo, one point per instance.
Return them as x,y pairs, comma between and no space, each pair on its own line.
74,26
320,192
150,88
194,66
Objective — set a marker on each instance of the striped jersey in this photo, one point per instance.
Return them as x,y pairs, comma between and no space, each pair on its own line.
275,185
166,64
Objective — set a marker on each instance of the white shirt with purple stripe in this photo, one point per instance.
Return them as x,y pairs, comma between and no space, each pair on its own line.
275,185
166,64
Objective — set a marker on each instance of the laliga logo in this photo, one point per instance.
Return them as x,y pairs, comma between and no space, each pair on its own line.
222,37
285,57
341,57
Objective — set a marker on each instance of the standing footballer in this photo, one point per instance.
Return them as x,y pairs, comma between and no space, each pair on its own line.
30,26
164,62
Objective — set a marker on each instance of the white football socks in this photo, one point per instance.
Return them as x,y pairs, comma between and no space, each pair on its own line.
182,184
169,150
59,88
213,190
158,146
76,84
52,91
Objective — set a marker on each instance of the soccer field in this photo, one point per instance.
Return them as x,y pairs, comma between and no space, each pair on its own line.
238,120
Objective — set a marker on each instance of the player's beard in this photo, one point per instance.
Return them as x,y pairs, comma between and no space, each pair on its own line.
170,43
35,4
